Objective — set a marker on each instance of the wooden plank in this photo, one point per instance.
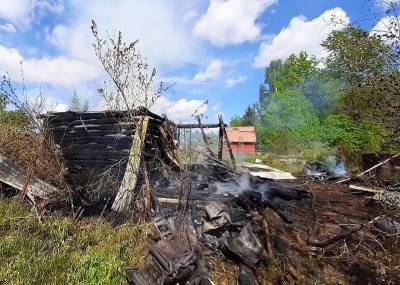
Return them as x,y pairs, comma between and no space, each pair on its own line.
228,144
365,189
146,191
168,200
124,198
167,151
13,176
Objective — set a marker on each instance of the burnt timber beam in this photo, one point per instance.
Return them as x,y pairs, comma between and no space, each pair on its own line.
197,126
228,143
125,195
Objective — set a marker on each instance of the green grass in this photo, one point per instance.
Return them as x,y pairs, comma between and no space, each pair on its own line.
59,251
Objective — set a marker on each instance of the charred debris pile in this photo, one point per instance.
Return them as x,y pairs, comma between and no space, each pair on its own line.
250,214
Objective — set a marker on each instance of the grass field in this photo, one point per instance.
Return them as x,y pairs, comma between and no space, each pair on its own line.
59,251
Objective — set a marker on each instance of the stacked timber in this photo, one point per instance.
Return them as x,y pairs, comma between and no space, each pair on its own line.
98,142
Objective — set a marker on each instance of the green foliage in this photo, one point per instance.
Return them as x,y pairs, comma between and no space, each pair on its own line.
282,76
237,121
348,136
370,69
60,251
291,121
249,118
350,106
14,119
2,102
288,120
323,91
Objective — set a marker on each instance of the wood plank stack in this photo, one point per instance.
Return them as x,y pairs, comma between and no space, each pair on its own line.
93,142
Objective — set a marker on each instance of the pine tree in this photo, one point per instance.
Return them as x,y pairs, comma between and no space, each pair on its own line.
75,104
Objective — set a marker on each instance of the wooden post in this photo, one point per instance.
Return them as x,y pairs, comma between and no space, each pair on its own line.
228,144
220,143
146,191
124,198
205,137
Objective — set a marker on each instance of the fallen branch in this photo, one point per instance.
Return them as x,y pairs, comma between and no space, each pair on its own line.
370,169
377,165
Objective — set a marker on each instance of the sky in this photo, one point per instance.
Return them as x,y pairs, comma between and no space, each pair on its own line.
213,53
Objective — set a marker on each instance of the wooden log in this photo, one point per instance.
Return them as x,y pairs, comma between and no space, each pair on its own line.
228,143
70,116
95,126
16,178
124,198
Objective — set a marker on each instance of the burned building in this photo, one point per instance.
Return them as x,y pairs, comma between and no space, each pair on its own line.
95,142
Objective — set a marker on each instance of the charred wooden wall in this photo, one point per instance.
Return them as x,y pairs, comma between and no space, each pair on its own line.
93,142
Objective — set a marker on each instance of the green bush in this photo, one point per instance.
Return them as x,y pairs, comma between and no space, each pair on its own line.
348,136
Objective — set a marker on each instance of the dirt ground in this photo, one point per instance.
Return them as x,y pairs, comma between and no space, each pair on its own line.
366,256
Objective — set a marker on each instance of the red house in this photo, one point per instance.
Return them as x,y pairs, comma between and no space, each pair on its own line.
242,139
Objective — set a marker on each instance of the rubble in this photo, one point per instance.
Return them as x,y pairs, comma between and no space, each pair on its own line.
34,188
247,213
265,171
170,261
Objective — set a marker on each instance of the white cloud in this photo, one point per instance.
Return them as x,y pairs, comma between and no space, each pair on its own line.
231,21
60,108
212,71
180,110
21,12
50,70
385,4
301,35
387,26
17,12
163,38
8,27
230,82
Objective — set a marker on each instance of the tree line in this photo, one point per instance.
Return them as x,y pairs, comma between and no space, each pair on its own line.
348,102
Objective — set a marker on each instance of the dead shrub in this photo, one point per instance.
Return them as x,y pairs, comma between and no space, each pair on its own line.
32,152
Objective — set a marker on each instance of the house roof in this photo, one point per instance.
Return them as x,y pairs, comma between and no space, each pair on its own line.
241,134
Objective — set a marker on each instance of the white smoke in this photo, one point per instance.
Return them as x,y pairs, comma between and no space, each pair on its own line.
335,167
238,185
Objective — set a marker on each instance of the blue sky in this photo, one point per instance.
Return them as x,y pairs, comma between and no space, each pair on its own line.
213,50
